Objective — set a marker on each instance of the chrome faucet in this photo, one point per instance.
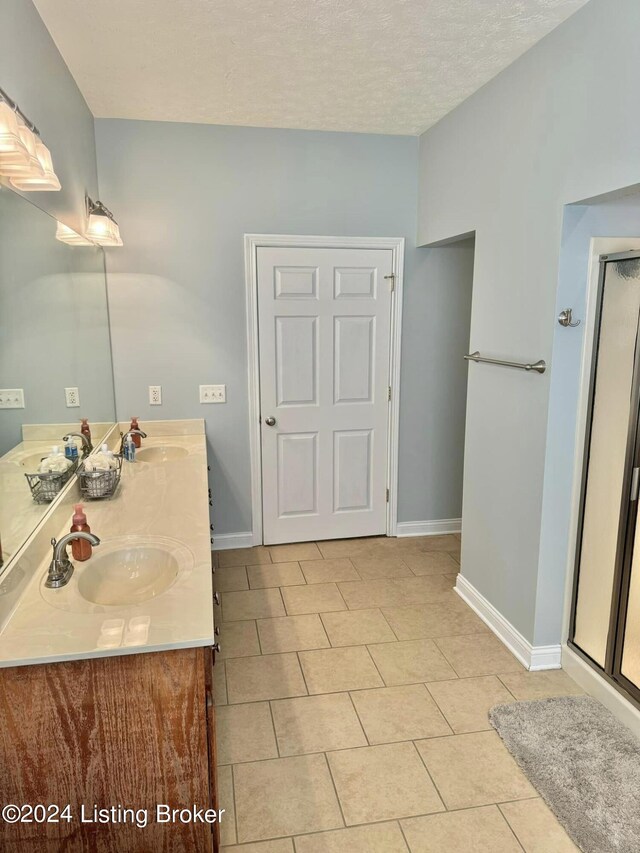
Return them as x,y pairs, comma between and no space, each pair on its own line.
61,567
87,447
131,432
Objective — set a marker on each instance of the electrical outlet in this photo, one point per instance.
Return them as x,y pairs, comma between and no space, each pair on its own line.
72,397
155,395
11,398
213,393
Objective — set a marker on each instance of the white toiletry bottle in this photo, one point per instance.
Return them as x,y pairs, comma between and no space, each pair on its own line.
129,449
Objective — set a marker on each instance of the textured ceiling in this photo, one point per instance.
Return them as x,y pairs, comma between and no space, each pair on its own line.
381,66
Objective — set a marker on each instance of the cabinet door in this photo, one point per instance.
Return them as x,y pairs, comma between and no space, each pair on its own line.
209,661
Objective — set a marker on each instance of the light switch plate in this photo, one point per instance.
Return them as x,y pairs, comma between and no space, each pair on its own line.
11,398
72,397
213,393
155,395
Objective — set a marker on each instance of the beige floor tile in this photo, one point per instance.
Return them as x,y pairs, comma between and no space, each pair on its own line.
478,654
540,685
336,670
245,733
280,845
399,713
316,724
238,640
332,548
410,662
252,604
219,683
537,828
225,801
445,619
374,838
297,551
357,627
396,592
431,563
325,571
466,702
474,770
385,566
274,574
312,598
244,556
377,783
292,634
481,830
285,796
265,677
446,542
230,578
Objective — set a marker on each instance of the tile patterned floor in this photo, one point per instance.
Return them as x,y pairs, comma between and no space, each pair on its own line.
353,689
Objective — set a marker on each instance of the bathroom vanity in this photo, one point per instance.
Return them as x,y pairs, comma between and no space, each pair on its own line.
106,686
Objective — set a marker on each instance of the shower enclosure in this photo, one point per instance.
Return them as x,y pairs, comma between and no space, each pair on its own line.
605,613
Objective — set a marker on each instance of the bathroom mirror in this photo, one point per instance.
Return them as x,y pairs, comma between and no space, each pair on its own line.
55,354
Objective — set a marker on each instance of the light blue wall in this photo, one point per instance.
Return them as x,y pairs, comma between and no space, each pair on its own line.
33,73
559,126
185,196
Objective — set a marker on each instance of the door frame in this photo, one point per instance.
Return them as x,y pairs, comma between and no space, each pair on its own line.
252,242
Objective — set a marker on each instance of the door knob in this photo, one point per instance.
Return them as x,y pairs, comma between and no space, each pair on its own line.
270,421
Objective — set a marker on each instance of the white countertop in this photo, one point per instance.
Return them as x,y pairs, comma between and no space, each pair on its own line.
156,502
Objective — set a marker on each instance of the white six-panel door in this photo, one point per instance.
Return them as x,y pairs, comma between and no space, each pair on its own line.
324,325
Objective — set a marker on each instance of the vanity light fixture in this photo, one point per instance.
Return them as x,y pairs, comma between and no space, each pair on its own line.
103,228
24,158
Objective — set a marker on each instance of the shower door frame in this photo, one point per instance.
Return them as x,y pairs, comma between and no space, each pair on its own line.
628,509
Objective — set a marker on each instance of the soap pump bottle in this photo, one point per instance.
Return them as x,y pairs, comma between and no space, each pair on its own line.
80,548
137,440
71,449
85,429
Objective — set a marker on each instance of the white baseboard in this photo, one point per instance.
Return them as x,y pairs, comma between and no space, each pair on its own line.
533,657
429,528
226,541
596,686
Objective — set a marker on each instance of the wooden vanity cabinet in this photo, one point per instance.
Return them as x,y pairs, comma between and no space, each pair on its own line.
130,731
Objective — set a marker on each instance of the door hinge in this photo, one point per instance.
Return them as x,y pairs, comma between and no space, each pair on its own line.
387,495
389,396
635,482
392,281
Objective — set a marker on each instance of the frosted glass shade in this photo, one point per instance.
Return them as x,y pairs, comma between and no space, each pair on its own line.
32,168
70,237
45,182
12,149
103,231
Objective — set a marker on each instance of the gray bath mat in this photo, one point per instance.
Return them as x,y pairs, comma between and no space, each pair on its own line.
583,762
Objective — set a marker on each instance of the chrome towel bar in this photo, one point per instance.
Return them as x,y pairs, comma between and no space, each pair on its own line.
538,367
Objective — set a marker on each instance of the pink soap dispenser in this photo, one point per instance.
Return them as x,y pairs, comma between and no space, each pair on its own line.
80,548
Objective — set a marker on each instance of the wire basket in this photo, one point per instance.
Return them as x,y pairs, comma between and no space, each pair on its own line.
99,485
46,487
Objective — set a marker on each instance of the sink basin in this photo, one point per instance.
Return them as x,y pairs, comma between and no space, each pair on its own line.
124,571
128,576
31,463
164,453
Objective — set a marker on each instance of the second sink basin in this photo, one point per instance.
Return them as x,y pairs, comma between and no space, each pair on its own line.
163,453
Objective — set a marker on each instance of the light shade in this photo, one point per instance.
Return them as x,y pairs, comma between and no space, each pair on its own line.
103,230
32,168
70,237
12,149
47,181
